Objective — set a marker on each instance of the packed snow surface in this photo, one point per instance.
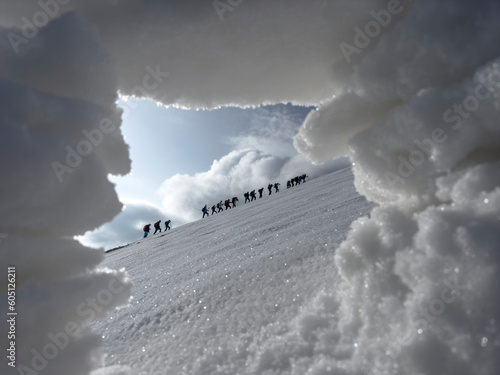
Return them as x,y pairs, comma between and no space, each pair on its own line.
315,279
243,291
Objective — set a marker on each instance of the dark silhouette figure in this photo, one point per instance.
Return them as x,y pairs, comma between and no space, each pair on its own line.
146,228
277,186
252,194
167,225
234,200
270,188
247,197
157,226
304,177
213,210
227,203
288,184
205,211
219,206
260,192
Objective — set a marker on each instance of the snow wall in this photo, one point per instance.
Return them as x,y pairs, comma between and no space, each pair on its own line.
408,89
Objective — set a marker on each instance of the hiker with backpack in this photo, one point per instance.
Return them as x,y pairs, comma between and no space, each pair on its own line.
157,226
270,188
213,210
260,192
277,187
167,225
252,194
227,204
247,197
146,229
205,211
234,200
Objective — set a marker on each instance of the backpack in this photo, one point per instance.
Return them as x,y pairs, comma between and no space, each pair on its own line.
145,228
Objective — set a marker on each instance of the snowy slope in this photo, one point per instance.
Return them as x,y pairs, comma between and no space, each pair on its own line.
220,295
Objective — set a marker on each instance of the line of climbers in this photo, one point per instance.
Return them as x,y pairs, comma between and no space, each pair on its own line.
231,203
251,196
147,227
296,181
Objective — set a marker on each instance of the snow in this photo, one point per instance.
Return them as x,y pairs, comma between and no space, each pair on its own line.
243,291
413,289
316,279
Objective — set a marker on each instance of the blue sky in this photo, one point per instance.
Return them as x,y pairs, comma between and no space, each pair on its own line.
165,141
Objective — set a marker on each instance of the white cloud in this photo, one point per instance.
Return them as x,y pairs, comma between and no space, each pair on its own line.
126,226
233,175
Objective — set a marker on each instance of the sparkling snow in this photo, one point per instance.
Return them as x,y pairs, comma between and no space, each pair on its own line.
243,291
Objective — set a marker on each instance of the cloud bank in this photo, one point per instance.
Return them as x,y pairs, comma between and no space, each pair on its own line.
126,227
265,154
233,175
